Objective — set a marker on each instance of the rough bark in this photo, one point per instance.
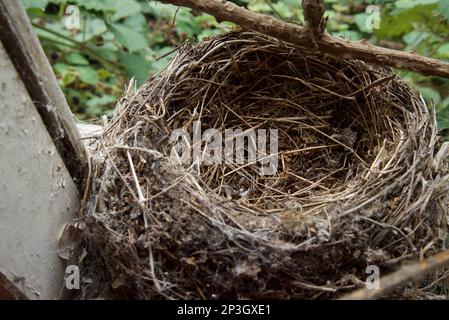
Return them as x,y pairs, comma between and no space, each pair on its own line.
313,14
224,10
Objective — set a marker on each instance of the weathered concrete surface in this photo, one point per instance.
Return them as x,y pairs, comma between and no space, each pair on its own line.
37,194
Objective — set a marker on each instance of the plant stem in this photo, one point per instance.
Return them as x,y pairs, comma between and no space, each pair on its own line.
81,46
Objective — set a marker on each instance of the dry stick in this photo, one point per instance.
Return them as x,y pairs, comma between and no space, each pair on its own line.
313,14
223,10
399,278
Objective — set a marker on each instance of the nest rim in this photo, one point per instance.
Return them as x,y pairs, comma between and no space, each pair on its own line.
364,218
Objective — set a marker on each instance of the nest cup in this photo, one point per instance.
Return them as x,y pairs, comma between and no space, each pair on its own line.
359,180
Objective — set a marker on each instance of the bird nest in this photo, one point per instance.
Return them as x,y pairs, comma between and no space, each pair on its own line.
353,177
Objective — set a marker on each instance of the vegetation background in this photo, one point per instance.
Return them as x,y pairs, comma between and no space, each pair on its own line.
119,40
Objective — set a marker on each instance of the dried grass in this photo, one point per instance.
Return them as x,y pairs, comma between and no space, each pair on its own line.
360,179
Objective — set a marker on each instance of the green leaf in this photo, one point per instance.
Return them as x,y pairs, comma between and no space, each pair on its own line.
92,27
159,10
61,68
129,38
207,33
104,74
444,106
259,6
443,114
419,41
430,94
349,35
443,9
185,23
136,66
284,11
59,29
414,38
393,25
35,4
97,5
136,22
443,51
161,63
408,4
75,58
67,79
125,8
360,20
88,75
108,51
340,7
96,102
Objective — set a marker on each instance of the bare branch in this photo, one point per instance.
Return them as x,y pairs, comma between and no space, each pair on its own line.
313,14
399,278
224,10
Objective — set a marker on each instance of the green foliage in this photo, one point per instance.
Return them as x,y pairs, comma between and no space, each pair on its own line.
400,22
421,26
443,9
116,41
119,40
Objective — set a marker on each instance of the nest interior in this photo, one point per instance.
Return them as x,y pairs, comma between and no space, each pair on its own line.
359,178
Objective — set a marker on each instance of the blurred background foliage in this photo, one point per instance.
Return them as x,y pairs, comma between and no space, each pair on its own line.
120,40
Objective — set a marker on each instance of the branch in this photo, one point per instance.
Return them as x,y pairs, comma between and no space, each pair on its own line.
399,278
223,10
313,14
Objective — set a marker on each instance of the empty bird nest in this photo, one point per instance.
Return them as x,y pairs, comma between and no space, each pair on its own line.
354,177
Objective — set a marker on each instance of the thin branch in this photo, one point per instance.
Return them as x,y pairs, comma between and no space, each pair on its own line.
414,272
224,10
92,50
313,15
